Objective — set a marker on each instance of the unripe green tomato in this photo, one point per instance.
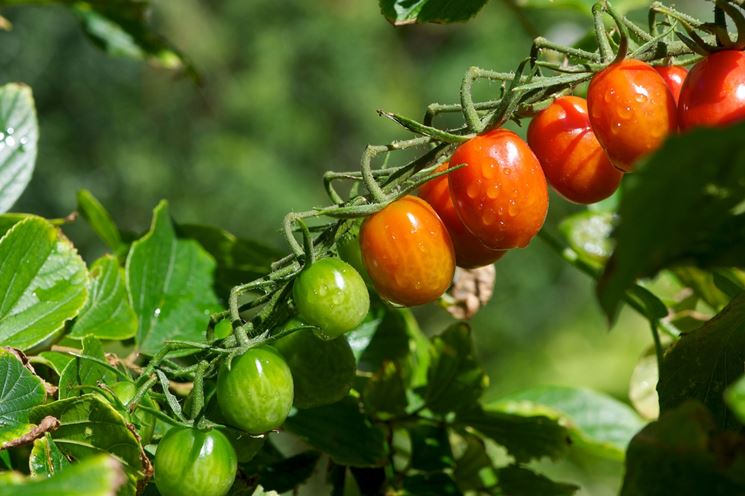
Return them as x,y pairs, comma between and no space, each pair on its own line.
322,371
125,391
332,296
223,329
255,395
191,462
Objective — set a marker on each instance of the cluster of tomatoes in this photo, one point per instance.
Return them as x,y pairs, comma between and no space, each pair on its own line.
495,201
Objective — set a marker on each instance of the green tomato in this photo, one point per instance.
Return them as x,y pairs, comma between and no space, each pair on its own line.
256,394
125,391
223,329
348,247
191,462
332,296
322,371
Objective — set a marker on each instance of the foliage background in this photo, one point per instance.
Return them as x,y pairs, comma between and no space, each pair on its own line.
290,90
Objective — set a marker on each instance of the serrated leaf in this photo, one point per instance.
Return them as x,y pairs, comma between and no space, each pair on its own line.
701,220
474,469
385,392
82,371
89,425
43,280
341,431
170,283
99,219
602,425
735,397
455,380
401,12
520,481
55,360
107,313
46,458
20,391
524,437
19,134
683,454
100,475
703,363
588,234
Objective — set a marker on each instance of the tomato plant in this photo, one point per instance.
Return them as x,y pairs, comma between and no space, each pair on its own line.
631,111
408,252
574,162
501,194
194,462
470,252
713,94
332,295
125,391
255,393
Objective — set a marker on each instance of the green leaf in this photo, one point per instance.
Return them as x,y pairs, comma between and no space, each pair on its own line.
238,260
55,360
596,422
288,473
46,458
341,431
730,281
99,219
385,392
43,280
401,12
430,448
524,437
100,475
19,134
682,454
455,379
473,469
82,371
436,484
703,363
89,425
735,397
520,481
588,234
107,313
703,285
701,220
20,391
170,283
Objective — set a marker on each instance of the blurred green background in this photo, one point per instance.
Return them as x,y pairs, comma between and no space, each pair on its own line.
290,90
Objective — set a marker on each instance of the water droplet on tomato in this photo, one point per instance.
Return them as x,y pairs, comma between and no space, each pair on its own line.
512,209
625,113
492,191
473,190
488,217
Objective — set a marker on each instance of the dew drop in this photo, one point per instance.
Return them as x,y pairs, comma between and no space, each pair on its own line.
512,209
507,171
492,191
488,217
641,98
473,190
488,171
156,313
625,113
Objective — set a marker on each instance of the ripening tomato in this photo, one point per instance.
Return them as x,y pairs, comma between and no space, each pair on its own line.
674,76
574,162
631,111
713,94
470,252
408,252
501,194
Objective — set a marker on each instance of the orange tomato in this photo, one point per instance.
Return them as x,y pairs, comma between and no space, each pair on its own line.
470,252
674,76
574,162
407,252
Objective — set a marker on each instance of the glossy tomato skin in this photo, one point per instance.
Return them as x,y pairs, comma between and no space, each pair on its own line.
408,252
674,76
470,252
632,111
713,94
191,462
501,194
125,391
256,393
332,295
574,162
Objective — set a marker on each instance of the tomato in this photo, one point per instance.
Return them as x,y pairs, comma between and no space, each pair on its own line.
223,329
322,371
408,252
470,252
713,94
125,391
631,111
191,462
674,76
348,247
331,295
574,162
501,194
255,394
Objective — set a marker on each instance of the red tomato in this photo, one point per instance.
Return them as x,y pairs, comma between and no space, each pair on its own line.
631,111
501,194
574,162
470,252
674,75
407,252
713,94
